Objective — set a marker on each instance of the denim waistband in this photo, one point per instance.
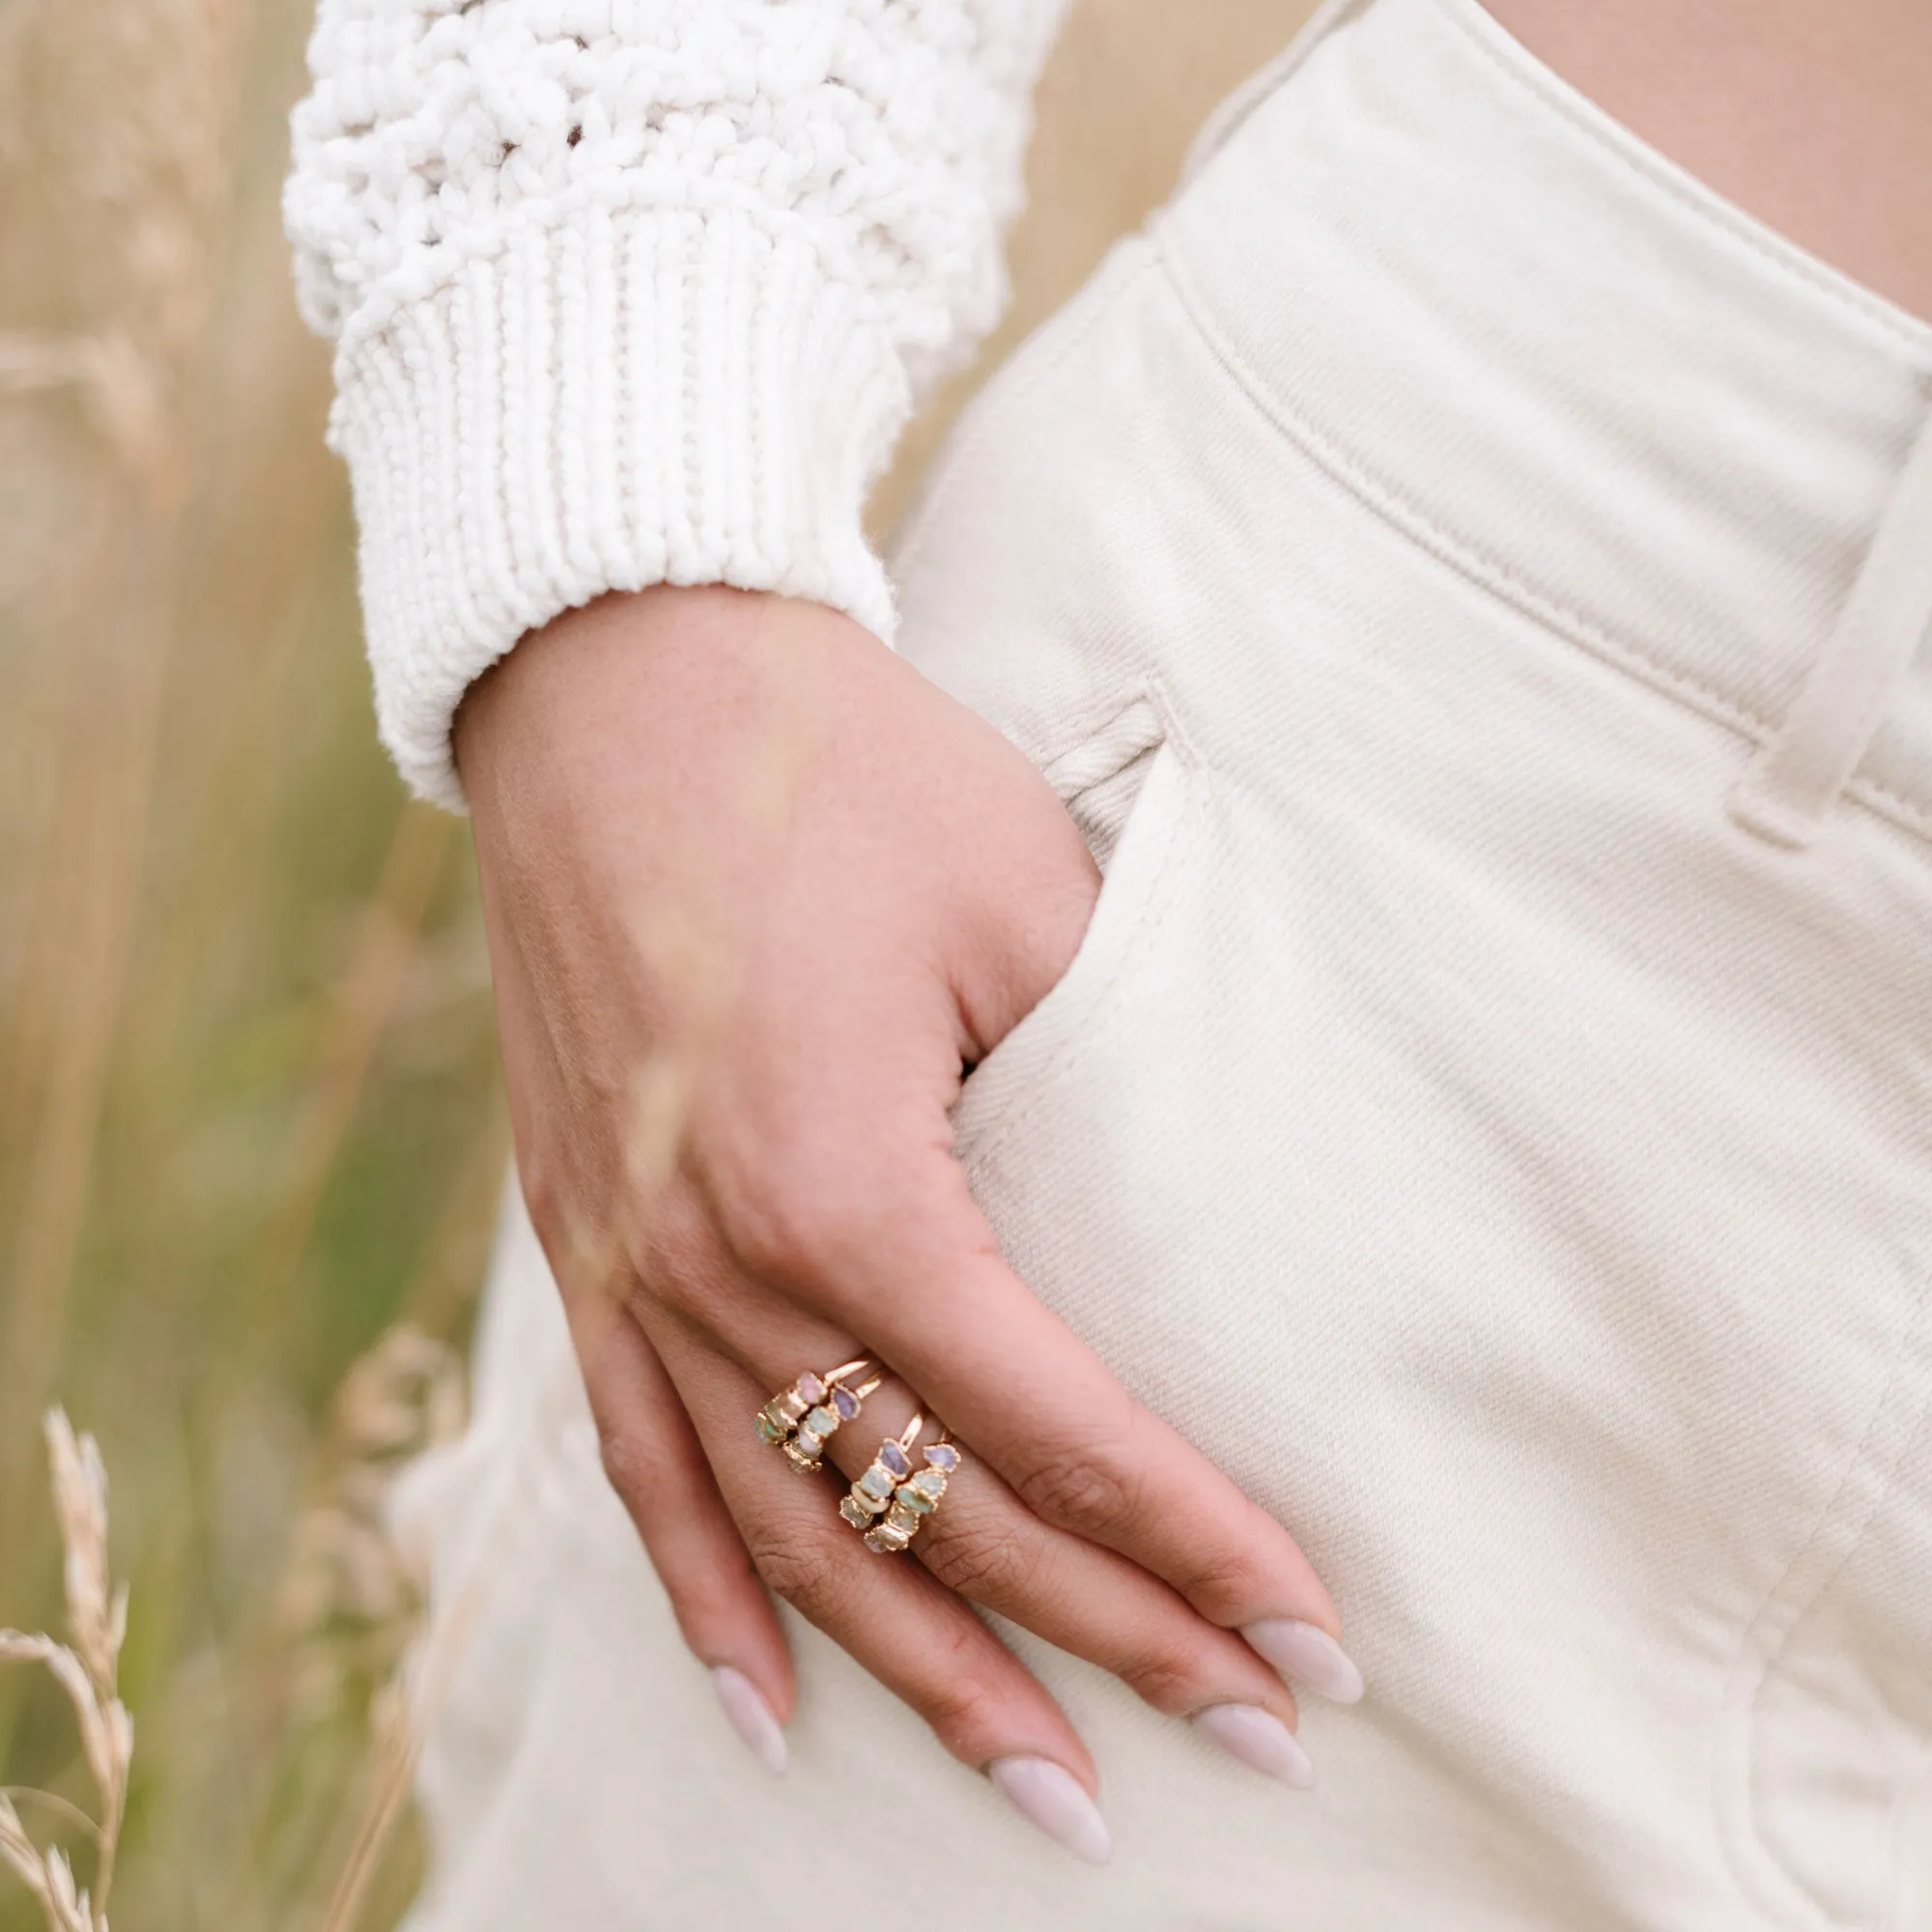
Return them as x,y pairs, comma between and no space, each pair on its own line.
1563,363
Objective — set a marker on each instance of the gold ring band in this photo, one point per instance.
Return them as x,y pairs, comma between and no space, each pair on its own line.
799,1419
891,1502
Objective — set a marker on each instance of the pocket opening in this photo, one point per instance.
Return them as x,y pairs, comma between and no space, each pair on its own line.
1124,786
1100,779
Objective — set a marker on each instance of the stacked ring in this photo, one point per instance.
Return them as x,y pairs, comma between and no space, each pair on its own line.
872,1495
888,1502
799,1419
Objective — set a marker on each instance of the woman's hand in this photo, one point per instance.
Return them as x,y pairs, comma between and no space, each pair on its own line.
755,892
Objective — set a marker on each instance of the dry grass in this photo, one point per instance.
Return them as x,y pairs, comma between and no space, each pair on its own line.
88,1673
248,1114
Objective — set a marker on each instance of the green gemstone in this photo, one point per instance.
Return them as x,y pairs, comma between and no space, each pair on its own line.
930,1483
855,1513
877,1482
821,1422
908,1497
772,1431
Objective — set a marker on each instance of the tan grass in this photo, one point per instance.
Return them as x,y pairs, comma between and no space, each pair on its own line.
88,1672
146,176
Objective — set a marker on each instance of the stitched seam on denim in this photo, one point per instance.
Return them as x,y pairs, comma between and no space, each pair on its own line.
997,400
1522,68
1744,1678
1096,717
1238,108
1481,568
1894,806
1095,721
1152,916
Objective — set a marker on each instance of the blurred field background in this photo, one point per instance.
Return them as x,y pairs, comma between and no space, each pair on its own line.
249,1114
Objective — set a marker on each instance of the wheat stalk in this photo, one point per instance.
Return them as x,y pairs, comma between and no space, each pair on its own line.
351,1604
88,1672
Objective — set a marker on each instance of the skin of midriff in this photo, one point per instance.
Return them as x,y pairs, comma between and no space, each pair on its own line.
1813,115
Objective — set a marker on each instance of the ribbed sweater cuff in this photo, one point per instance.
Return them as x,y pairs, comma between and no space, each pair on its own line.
617,399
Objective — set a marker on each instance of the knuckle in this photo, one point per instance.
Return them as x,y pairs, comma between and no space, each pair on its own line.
1168,1680
1226,1587
1090,1487
677,1262
990,1562
964,1710
626,1465
543,1195
794,1569
811,1203
576,1238
790,1228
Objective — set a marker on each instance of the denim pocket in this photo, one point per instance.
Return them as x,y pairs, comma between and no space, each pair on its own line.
1127,787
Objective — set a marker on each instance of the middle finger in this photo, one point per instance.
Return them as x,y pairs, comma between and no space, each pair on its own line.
985,1544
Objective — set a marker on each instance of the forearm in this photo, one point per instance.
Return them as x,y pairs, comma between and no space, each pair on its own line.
1816,119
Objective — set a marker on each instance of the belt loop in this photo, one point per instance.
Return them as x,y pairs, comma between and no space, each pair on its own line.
1220,126
1797,778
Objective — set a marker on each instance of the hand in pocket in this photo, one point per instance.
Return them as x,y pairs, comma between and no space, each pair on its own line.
755,893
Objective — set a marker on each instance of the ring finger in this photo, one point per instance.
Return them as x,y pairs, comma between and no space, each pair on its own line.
917,1638
986,1546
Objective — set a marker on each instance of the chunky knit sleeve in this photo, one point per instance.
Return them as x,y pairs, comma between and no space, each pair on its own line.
628,292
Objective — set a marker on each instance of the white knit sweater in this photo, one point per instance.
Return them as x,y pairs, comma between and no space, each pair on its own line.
628,292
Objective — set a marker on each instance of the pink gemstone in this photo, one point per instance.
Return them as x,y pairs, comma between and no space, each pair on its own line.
811,1388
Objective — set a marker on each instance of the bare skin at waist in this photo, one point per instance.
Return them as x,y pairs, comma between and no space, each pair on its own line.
1815,118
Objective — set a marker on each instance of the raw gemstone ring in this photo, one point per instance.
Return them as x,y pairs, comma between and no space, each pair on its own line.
800,1418
872,1495
888,1502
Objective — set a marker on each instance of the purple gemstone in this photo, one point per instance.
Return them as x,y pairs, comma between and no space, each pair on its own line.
845,1403
942,1456
895,1458
811,1388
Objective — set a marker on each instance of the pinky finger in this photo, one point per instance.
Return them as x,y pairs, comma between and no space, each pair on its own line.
652,1457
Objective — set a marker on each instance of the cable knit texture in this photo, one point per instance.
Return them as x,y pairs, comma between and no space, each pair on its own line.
631,292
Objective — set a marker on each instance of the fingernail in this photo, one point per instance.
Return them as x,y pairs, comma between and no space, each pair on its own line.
1052,1799
1260,1740
1307,1656
750,1717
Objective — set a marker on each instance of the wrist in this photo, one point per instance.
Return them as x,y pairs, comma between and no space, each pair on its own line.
644,679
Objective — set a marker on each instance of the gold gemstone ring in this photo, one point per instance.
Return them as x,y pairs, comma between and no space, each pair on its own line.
799,1419
890,1501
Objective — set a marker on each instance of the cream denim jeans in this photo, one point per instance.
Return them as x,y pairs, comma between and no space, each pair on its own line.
1470,586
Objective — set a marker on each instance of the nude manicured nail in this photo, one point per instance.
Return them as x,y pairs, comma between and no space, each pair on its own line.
1305,1655
1052,1799
1260,1740
750,1717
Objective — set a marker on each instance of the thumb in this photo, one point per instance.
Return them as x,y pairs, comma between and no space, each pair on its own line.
1034,892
